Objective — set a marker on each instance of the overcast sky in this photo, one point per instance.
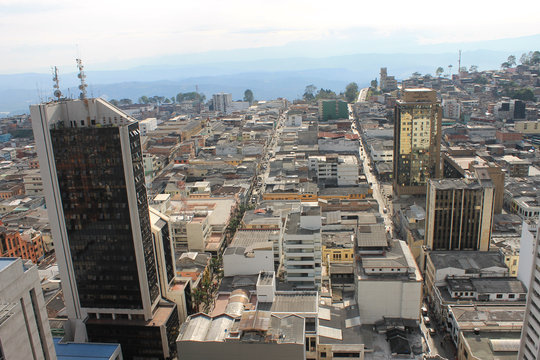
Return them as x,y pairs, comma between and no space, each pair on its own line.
39,33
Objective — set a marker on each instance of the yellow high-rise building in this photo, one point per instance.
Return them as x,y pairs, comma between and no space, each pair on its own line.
417,140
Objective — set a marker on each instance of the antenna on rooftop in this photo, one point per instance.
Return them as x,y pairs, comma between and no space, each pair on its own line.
81,76
57,93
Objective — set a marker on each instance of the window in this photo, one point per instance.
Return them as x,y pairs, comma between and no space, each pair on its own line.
323,354
511,296
499,296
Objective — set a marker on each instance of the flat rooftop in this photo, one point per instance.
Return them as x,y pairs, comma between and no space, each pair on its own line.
84,351
5,262
484,345
247,238
466,260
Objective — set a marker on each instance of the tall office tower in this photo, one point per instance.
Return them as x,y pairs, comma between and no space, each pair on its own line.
24,326
91,164
459,214
530,333
417,140
222,102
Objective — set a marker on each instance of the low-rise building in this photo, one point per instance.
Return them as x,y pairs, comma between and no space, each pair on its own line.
389,285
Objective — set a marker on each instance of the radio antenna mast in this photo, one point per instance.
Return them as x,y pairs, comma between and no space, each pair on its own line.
81,76
57,93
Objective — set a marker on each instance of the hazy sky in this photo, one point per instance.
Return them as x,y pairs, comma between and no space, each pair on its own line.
39,33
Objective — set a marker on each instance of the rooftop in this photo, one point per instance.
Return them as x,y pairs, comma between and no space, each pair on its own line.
485,345
466,260
292,302
84,351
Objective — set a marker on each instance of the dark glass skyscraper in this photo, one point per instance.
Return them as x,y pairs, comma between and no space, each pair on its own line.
91,164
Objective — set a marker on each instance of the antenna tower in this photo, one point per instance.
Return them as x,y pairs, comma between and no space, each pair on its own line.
81,76
57,93
459,62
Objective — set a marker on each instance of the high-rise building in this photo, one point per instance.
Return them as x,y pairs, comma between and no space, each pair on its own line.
24,327
387,83
417,140
302,248
333,109
222,102
91,164
459,214
530,333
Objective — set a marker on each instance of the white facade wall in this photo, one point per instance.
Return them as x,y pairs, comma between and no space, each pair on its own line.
347,174
294,120
146,125
388,298
248,264
530,338
24,330
527,252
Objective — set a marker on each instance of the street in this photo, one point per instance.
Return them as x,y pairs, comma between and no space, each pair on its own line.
384,206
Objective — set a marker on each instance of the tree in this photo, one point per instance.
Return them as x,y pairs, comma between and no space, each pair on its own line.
309,93
167,100
374,84
126,102
351,92
416,74
248,96
439,71
463,69
473,68
173,99
450,69
144,99
325,94
511,60
114,102
505,65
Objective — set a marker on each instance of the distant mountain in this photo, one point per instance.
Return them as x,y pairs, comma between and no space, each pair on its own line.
267,77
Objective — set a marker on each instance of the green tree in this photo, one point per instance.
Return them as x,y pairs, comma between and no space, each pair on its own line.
473,68
114,102
248,96
325,94
126,102
167,100
505,65
173,99
144,100
439,71
374,84
511,60
524,94
309,93
351,92
416,74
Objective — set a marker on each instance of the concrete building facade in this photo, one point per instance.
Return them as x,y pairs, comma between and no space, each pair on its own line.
24,327
417,140
459,214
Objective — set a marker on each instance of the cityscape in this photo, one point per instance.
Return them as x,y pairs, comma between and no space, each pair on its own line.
389,218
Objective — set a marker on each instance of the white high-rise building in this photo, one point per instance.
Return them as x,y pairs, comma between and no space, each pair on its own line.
530,334
302,248
24,326
222,102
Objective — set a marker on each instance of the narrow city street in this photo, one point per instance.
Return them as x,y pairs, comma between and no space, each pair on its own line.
380,192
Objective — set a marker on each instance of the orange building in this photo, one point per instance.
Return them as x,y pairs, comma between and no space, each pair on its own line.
26,245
